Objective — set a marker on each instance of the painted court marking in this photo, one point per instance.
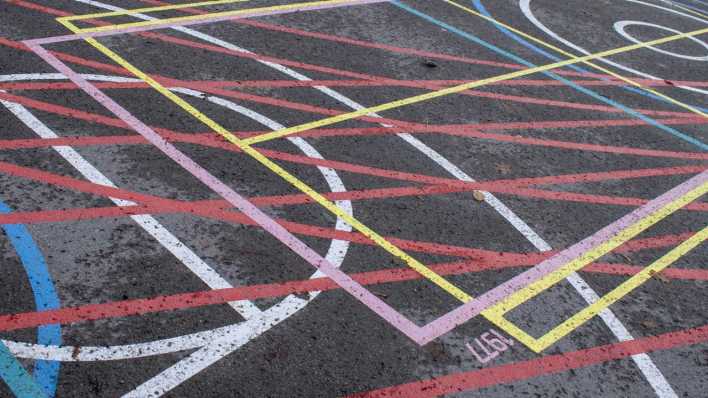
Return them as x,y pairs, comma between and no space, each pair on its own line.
587,61
475,84
208,18
209,350
202,117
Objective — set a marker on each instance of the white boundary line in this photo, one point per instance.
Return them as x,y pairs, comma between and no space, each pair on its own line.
264,319
208,354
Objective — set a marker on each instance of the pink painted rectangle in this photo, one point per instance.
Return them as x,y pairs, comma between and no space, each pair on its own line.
420,335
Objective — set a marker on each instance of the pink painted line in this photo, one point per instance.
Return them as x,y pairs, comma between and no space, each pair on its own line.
473,308
133,29
420,335
271,226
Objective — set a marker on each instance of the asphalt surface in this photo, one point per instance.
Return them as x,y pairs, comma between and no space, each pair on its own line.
604,148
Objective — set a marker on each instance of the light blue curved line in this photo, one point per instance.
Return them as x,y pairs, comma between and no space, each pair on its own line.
16,377
532,47
699,2
690,6
520,60
46,373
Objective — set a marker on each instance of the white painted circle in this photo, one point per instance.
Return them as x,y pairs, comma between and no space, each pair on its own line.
525,6
621,28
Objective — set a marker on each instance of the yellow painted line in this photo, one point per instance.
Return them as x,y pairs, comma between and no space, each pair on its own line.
577,320
514,300
147,9
694,12
586,62
620,291
208,16
317,197
462,87
493,314
496,312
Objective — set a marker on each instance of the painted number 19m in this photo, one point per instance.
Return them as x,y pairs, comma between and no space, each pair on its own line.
489,345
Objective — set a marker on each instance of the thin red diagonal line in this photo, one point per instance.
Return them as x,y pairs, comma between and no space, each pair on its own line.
379,79
65,215
523,370
203,139
345,83
220,296
383,80
220,214
207,85
459,130
361,43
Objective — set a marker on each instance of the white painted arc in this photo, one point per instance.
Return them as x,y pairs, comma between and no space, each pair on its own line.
621,28
526,9
651,372
187,365
148,223
192,365
336,252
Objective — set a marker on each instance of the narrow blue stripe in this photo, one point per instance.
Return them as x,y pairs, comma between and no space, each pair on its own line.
690,6
46,373
577,68
522,61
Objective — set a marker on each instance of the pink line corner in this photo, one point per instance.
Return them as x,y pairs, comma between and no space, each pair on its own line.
420,335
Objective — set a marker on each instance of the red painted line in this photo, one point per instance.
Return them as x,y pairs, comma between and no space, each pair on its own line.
41,8
401,50
390,174
382,80
495,126
523,370
535,193
654,242
516,139
207,85
84,214
459,130
586,198
511,186
473,93
220,214
208,139
330,112
64,111
346,83
220,296
404,50
215,212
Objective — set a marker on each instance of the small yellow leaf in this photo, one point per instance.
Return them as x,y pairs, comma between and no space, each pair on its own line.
478,196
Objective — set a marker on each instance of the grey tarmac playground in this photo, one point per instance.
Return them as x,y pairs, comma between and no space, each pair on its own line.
354,198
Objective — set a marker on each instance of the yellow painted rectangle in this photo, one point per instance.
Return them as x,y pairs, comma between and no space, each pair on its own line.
203,16
494,314
467,86
147,10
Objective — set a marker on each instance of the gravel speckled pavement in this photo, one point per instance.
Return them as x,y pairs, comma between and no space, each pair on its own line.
354,198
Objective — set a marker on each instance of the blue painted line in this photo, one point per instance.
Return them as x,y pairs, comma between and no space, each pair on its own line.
20,382
480,7
699,2
475,39
690,6
46,373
